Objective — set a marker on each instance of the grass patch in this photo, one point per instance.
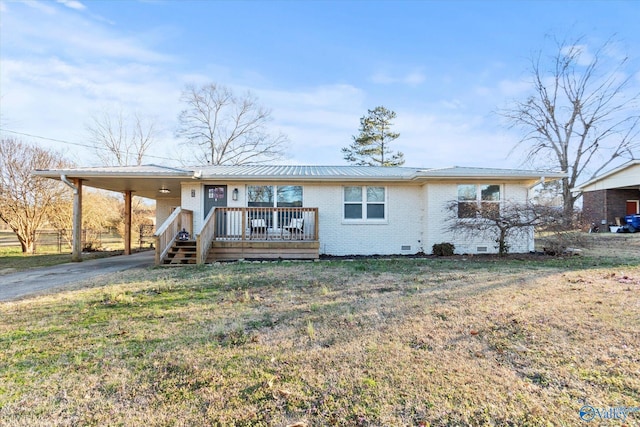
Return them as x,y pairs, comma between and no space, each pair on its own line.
12,259
464,341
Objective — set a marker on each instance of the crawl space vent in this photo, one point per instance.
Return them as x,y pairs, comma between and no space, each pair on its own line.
482,249
405,248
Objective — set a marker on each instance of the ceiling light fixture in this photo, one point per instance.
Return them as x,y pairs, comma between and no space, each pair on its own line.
164,190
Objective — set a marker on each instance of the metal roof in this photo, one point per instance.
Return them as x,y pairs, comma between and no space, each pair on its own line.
150,169
469,172
363,172
309,172
146,180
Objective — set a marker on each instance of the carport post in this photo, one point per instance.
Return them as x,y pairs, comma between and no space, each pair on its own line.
76,242
127,222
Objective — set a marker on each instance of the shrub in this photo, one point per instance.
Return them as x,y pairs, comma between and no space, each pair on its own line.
443,249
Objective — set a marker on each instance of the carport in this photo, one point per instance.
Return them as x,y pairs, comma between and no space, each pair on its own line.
149,181
609,197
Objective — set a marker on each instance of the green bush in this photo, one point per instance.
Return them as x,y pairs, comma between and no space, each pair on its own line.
443,249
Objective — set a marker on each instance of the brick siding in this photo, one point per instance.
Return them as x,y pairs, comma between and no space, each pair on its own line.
606,205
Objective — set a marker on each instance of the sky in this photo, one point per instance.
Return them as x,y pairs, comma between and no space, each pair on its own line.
445,67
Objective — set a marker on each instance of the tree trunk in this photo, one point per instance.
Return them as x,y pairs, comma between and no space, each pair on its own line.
568,202
502,245
26,245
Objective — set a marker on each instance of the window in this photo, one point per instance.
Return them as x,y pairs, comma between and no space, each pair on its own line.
467,201
364,203
286,196
290,196
260,196
490,200
478,200
270,196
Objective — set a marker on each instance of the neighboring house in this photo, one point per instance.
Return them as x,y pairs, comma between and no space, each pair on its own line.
307,211
606,199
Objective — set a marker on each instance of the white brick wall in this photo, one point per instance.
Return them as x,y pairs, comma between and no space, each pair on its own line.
194,204
164,207
339,237
438,195
416,217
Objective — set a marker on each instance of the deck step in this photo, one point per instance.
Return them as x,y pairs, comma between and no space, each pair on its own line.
181,252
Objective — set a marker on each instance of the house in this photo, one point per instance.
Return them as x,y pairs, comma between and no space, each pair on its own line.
608,198
244,212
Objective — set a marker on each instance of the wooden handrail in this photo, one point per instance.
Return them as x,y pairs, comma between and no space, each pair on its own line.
235,223
166,234
205,237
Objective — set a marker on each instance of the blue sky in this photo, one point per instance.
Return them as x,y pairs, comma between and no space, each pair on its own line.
443,67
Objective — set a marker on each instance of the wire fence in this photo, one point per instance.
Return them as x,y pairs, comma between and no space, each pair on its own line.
59,241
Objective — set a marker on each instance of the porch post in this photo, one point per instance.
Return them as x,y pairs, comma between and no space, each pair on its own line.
127,222
76,245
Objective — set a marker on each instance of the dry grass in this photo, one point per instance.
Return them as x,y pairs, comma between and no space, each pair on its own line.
393,343
12,259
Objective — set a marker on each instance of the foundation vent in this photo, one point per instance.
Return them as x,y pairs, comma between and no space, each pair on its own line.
481,249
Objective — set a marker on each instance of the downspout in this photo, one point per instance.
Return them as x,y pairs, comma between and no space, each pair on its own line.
540,181
77,220
64,179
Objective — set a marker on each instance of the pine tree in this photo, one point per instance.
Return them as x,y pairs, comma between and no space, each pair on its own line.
371,146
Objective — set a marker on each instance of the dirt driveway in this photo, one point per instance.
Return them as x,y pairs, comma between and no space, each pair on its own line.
45,279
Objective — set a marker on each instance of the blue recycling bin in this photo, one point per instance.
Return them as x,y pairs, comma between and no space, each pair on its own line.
633,221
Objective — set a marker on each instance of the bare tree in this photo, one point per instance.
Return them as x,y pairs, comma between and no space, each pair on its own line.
121,140
25,200
498,223
226,129
99,211
582,115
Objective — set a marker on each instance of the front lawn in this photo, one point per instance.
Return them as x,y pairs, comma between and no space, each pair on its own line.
372,343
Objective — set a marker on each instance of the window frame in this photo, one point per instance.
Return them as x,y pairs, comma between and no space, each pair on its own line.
365,204
480,199
275,203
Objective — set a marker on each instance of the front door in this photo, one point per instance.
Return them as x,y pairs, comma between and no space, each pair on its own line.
632,207
215,196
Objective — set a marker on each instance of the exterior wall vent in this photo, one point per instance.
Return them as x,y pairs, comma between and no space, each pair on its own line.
405,248
481,249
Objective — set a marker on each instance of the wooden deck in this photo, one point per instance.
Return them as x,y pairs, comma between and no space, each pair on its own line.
241,234
263,249
263,233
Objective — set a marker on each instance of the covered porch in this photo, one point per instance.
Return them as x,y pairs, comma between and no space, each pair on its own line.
235,233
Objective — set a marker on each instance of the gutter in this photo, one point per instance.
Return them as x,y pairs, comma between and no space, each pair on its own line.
64,179
540,181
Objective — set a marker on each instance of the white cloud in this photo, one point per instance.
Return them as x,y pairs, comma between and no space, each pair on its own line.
41,6
440,140
411,78
60,70
52,31
580,52
452,104
513,88
72,4
319,120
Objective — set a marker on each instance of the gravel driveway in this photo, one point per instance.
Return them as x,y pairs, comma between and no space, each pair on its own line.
46,279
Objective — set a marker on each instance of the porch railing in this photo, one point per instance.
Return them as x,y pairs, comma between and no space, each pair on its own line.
257,223
166,234
205,237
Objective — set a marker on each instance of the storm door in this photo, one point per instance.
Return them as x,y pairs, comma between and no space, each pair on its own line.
215,196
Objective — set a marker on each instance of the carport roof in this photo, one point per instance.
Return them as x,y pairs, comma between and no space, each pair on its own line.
625,176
